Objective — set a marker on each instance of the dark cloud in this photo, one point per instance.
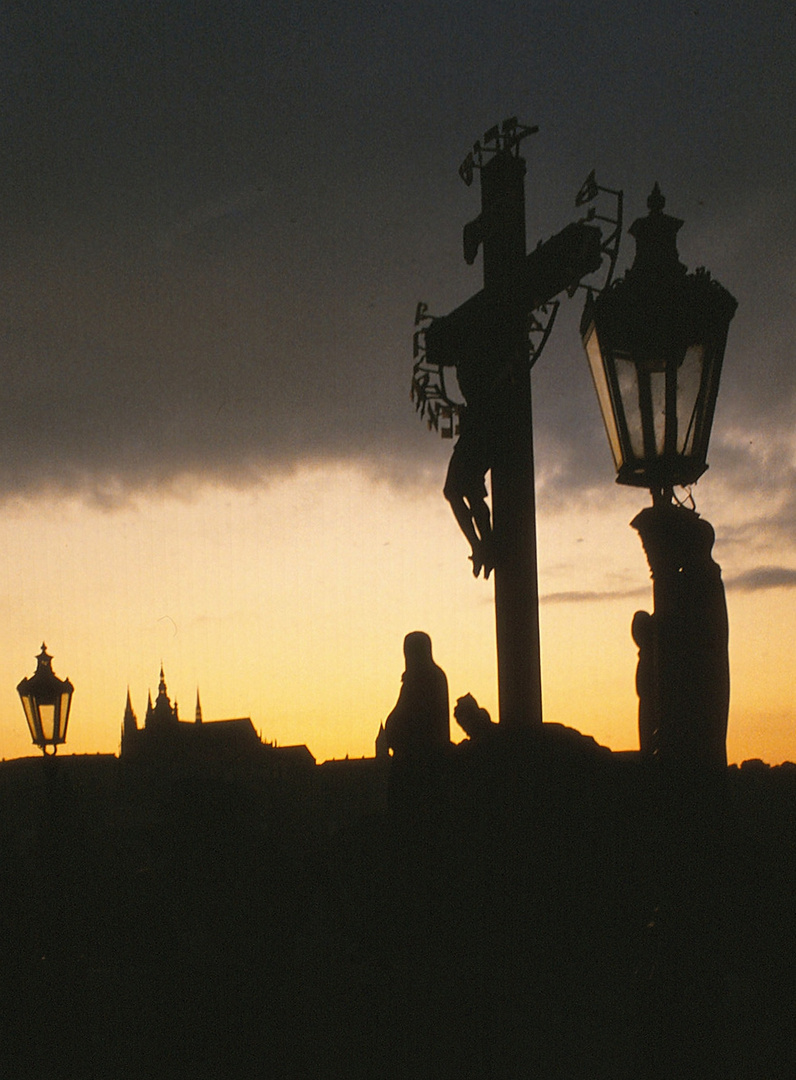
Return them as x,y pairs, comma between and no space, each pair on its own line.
763,577
593,596
216,219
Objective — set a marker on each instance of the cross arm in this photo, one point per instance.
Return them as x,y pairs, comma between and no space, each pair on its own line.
554,266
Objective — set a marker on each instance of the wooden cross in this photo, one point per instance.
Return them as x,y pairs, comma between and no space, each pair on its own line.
486,340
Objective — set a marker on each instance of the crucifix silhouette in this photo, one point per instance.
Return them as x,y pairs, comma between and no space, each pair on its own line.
486,340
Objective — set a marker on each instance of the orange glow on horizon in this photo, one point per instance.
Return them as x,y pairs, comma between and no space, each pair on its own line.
289,604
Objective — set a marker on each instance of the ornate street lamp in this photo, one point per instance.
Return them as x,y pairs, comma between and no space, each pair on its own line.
655,342
46,700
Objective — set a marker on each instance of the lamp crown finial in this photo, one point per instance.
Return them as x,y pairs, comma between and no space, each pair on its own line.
656,201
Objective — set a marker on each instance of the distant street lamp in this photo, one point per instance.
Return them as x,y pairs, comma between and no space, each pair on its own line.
655,343
46,700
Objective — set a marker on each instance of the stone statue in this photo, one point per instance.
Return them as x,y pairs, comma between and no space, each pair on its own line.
690,676
643,631
418,728
475,722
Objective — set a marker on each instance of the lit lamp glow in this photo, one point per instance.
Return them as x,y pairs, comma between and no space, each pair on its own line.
655,342
46,700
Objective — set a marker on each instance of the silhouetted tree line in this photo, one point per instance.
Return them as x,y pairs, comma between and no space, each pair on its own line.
542,908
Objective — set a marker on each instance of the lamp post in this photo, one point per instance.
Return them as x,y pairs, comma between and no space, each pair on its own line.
655,344
46,700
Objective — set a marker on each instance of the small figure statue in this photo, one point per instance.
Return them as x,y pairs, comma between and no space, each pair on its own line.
418,728
643,631
475,722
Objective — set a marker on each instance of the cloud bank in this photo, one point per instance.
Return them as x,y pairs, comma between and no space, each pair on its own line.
216,223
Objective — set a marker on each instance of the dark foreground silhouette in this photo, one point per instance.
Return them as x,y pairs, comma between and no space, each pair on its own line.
541,908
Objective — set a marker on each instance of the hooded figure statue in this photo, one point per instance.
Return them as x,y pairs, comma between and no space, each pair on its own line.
418,728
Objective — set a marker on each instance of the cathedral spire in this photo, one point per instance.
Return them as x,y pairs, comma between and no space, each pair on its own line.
129,726
198,708
130,722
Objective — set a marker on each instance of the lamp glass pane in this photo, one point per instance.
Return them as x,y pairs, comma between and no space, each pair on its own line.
689,379
594,354
658,397
66,701
627,378
30,716
47,716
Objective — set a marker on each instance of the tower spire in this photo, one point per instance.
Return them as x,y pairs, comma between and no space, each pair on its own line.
162,714
130,720
130,729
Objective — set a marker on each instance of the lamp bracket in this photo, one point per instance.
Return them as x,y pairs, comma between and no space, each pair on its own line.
612,216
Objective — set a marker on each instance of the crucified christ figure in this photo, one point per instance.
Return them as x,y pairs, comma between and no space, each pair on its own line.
465,490
473,454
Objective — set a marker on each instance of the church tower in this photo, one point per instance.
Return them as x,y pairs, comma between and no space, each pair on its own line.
162,716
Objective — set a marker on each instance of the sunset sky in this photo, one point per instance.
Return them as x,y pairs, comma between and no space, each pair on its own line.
215,223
